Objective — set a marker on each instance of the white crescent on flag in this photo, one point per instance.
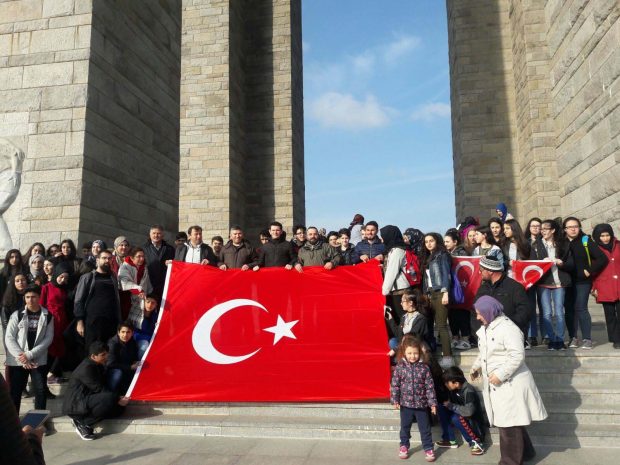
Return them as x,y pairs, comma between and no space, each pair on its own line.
467,264
529,268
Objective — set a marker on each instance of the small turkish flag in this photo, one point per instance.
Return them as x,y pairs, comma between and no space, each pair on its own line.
528,272
271,335
467,271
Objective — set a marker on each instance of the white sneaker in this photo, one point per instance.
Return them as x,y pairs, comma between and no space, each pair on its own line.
463,345
446,362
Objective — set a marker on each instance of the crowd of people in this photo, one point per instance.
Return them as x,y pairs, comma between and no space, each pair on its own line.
96,309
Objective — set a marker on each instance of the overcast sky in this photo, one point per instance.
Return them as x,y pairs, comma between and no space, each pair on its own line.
377,113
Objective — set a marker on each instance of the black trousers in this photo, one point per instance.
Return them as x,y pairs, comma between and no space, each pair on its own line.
99,329
515,446
459,322
18,381
100,406
612,320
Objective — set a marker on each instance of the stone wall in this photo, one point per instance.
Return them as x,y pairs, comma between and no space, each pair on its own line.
89,90
560,73
482,98
241,115
44,63
130,175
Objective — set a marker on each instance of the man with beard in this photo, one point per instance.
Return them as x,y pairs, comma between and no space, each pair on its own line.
97,306
315,252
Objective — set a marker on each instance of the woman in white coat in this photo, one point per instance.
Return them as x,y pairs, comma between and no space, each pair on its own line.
133,276
511,398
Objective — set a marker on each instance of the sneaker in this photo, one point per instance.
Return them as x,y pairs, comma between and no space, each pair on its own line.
429,456
463,345
533,342
587,344
450,444
83,431
454,343
560,345
574,343
545,341
528,346
403,452
477,449
446,362
552,346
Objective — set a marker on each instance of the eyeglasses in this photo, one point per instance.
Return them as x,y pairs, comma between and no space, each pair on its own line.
546,229
571,227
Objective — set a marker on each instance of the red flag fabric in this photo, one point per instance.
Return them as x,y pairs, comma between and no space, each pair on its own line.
271,335
467,270
528,272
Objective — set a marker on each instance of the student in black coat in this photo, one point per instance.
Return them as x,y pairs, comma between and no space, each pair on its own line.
157,252
510,293
123,359
278,251
88,401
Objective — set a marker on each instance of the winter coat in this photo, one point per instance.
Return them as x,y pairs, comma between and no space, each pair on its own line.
206,253
412,385
596,263
16,338
607,283
54,299
318,254
87,379
394,278
516,401
347,256
539,252
513,297
127,281
439,268
122,355
419,328
84,292
465,402
235,257
494,251
459,251
364,247
276,253
156,264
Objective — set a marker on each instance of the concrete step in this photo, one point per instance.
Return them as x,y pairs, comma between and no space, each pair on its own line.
543,433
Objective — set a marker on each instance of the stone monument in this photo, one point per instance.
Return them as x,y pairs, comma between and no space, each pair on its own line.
142,112
535,92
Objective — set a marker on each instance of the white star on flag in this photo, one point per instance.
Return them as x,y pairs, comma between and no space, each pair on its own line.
281,329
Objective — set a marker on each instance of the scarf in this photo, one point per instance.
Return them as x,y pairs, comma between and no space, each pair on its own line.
596,235
140,269
33,271
489,307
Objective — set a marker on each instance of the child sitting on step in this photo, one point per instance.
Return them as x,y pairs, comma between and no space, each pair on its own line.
462,412
413,392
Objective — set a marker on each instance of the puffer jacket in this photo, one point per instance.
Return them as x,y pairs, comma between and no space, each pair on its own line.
317,254
372,249
412,385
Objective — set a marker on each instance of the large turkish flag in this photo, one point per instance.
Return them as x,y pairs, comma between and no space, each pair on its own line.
467,270
271,335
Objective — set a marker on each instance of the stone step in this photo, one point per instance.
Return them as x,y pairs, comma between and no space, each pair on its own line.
543,433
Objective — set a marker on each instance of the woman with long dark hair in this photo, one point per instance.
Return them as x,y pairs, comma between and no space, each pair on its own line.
552,286
606,286
458,318
532,230
436,263
515,246
13,264
486,244
13,297
589,261
35,249
68,256
496,226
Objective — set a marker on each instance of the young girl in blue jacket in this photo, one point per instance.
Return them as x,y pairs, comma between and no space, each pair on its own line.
413,392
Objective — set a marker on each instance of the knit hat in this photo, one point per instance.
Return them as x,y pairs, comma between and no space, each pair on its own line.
489,307
119,240
491,263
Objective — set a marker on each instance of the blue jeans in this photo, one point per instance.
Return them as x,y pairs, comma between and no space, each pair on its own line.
577,314
533,295
142,344
468,428
555,295
424,426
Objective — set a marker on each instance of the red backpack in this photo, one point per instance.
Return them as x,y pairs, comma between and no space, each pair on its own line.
412,268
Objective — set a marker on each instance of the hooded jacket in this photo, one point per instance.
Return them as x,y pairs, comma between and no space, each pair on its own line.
16,338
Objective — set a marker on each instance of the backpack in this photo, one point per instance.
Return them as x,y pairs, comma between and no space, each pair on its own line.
457,296
412,268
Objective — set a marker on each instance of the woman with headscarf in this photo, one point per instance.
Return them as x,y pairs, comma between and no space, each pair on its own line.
414,239
510,394
37,274
54,298
121,250
133,277
606,285
395,282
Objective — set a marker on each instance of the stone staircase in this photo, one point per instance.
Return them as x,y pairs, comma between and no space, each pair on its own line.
580,388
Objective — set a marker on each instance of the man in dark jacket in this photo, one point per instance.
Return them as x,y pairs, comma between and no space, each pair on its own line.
194,250
157,252
278,251
122,360
97,306
371,247
315,252
509,292
237,253
88,401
